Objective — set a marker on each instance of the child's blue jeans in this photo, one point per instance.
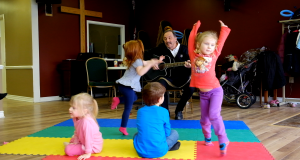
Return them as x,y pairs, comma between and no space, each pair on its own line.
172,139
129,97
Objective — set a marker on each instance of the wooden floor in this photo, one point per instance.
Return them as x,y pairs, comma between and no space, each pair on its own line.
24,118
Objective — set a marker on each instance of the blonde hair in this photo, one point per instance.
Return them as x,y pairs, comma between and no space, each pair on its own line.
200,37
134,50
85,101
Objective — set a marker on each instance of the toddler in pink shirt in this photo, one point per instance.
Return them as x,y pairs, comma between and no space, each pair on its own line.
87,138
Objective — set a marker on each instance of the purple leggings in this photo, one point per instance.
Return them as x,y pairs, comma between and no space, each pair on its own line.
211,103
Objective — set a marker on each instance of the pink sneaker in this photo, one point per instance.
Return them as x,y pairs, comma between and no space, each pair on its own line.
115,102
223,148
123,130
274,103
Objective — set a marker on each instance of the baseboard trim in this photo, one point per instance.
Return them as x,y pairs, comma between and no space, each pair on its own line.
19,98
30,99
52,98
2,114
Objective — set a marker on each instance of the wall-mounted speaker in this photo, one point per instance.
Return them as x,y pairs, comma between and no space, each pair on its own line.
227,5
48,5
48,9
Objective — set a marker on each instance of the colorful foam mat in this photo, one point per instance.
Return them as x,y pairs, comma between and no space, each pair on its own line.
243,143
236,151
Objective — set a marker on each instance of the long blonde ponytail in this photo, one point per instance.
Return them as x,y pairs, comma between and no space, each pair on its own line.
95,111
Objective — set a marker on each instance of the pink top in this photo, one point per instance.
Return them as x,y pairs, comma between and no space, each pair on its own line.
203,73
87,133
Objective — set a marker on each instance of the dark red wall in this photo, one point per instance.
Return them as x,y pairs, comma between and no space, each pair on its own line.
254,23
59,36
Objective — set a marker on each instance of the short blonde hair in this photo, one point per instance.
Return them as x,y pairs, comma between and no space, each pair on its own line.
200,36
85,101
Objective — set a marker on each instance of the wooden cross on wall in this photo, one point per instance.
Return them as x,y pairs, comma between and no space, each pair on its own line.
82,12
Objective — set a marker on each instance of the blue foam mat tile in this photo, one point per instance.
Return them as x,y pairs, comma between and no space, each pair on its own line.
116,123
189,124
68,123
235,125
195,124
192,124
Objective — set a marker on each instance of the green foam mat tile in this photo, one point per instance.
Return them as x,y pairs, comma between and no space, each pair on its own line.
67,132
189,134
234,135
114,133
58,132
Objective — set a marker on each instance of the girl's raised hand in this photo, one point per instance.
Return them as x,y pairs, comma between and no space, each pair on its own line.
222,24
154,62
197,22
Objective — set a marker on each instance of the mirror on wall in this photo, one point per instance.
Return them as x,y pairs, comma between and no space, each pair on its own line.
107,39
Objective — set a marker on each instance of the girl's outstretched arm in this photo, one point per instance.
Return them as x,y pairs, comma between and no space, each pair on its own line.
225,30
193,34
141,70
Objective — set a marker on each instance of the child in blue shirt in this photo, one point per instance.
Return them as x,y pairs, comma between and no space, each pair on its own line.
154,137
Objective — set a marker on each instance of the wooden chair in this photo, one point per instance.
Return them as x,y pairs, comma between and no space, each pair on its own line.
190,101
96,69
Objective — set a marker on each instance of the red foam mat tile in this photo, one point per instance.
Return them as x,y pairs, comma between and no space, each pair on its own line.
97,158
235,151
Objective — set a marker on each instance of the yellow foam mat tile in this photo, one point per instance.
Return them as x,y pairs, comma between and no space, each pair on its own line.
125,148
35,146
111,148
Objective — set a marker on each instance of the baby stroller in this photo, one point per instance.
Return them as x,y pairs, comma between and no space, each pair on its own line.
236,86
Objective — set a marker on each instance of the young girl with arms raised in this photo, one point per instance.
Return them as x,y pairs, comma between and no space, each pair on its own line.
208,46
130,82
87,138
